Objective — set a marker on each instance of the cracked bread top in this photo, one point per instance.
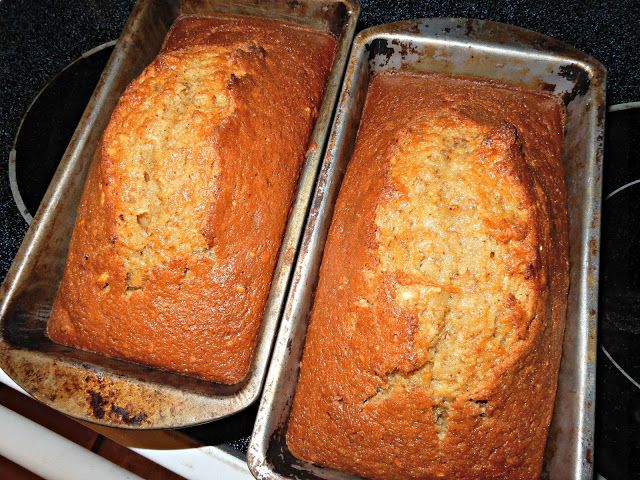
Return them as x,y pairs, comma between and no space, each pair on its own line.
186,202
435,336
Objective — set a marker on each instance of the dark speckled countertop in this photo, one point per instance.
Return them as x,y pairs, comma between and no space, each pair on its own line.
39,38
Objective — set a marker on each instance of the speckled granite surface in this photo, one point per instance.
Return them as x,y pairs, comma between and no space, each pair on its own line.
38,38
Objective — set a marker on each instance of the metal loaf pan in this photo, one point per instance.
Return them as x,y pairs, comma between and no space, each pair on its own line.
117,393
488,50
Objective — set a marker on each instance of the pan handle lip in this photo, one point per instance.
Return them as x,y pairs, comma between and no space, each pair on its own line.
481,33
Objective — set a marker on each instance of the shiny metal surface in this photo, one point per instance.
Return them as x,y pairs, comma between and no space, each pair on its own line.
108,391
488,50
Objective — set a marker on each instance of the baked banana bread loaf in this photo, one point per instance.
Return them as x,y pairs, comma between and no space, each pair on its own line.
186,202
435,337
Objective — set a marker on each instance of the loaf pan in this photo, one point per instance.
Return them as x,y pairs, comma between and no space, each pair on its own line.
107,391
470,48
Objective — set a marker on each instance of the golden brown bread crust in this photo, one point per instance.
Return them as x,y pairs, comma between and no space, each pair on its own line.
186,202
435,337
